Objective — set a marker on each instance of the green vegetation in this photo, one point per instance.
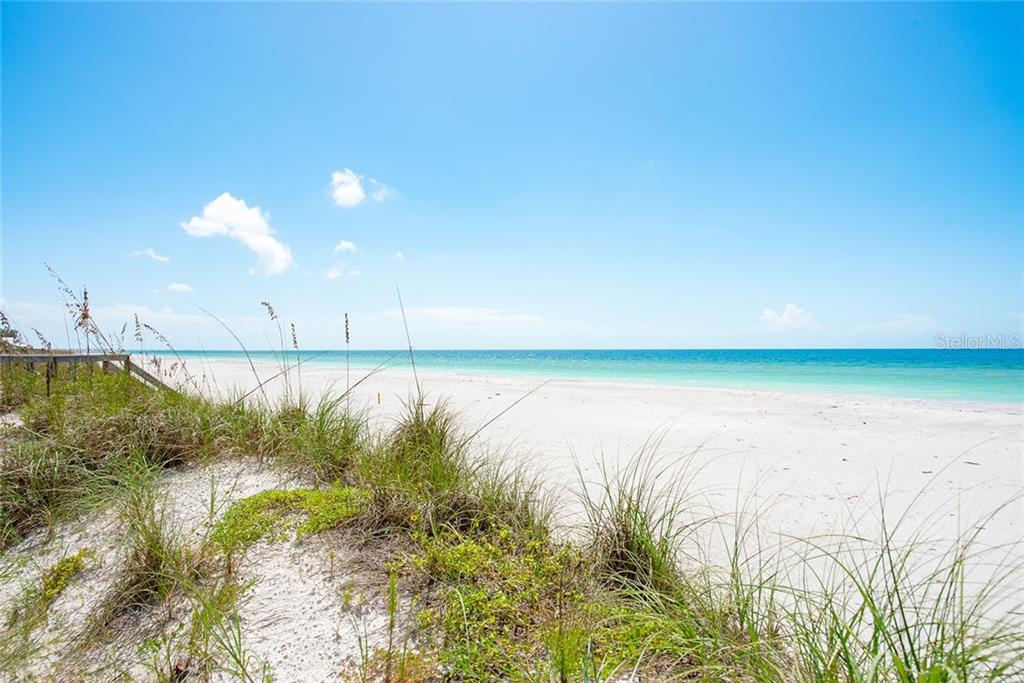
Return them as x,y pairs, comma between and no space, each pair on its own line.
37,599
255,517
159,562
503,597
57,577
85,441
468,550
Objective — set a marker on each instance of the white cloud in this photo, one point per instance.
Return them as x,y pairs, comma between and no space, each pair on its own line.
178,287
792,317
380,191
150,253
464,314
227,215
345,245
399,256
347,188
333,273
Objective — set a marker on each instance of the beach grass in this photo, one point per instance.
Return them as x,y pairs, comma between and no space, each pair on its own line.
501,594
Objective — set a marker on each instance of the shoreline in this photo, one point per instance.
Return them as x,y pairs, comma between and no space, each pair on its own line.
812,464
405,370
984,376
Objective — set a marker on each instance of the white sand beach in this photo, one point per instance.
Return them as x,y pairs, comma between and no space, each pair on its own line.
808,463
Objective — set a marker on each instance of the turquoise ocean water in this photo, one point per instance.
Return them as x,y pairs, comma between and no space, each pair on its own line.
995,375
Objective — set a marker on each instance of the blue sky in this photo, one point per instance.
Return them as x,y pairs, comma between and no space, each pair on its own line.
552,175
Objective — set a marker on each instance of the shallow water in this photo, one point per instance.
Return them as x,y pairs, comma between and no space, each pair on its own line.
995,375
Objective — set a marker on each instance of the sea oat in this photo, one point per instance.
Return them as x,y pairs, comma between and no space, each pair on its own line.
348,385
270,309
42,339
159,337
84,317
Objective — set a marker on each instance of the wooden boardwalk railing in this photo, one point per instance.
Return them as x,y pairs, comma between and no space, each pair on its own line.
109,362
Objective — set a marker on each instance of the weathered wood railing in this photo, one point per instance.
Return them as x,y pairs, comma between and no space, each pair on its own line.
109,362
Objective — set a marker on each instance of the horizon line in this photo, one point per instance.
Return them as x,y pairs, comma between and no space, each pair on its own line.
580,348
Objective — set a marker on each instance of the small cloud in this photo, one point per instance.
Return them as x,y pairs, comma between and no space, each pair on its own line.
347,188
333,273
150,253
230,216
380,191
345,245
399,256
178,287
792,317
